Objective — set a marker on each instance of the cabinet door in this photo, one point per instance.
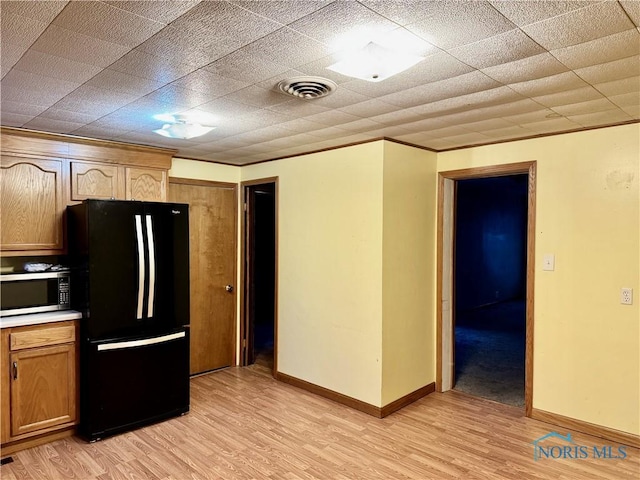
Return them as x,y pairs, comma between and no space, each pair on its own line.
5,415
146,184
95,180
43,388
32,204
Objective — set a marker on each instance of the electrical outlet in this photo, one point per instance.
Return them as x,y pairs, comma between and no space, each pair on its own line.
626,296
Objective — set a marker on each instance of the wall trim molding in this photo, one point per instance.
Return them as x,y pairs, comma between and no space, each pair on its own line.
378,412
408,399
586,427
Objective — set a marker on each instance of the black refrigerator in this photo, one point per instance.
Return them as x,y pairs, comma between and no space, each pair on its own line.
130,279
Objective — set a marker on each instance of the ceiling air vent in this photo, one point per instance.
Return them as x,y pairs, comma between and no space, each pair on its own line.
307,87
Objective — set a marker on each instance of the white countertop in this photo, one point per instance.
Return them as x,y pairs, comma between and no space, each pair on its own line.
38,318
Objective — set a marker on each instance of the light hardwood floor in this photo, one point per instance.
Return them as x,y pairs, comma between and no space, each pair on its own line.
245,425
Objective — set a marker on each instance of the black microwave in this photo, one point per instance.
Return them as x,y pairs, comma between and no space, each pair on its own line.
22,293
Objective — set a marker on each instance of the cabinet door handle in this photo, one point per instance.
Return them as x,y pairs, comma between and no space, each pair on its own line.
15,370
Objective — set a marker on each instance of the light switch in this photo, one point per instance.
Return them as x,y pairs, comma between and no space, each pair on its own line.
549,262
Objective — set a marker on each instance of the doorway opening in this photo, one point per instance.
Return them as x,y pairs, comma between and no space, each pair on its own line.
259,326
490,248
480,312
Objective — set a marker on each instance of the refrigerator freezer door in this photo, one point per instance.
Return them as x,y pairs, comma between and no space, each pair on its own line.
167,240
133,383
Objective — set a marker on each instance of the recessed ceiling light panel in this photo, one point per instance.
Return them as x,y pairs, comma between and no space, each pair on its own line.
181,128
307,88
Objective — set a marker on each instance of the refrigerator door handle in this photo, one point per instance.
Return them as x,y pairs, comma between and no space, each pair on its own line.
141,272
152,266
140,343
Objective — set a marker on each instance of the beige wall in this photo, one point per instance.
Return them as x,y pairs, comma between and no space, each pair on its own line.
340,312
183,168
586,344
330,267
408,266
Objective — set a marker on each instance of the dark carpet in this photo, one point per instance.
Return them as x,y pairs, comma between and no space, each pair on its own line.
489,352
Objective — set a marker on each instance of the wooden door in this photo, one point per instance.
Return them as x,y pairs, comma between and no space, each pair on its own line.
212,243
43,389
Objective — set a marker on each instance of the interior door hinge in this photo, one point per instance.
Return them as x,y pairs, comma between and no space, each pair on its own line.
244,343
244,206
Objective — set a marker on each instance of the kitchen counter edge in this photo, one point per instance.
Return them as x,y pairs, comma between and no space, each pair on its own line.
10,321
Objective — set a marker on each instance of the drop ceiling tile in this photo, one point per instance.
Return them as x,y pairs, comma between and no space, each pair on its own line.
432,92
80,48
18,30
43,11
109,79
287,47
302,125
457,24
56,67
511,132
22,108
602,50
327,133
264,118
438,66
380,89
420,139
24,87
319,68
334,25
368,108
483,125
583,108
522,119
10,119
404,12
425,125
632,7
568,97
223,24
164,11
240,65
180,97
258,97
361,126
299,108
10,56
512,108
601,118
333,117
50,125
105,22
282,11
536,66
388,131
341,97
552,84
91,100
68,116
624,99
227,108
209,83
552,125
610,71
176,46
578,26
632,110
618,87
141,64
525,12
499,49
398,117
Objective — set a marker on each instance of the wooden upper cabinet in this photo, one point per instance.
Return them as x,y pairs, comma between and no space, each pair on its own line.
96,180
31,196
146,184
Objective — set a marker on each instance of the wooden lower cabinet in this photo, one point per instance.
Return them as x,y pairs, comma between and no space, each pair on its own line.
39,382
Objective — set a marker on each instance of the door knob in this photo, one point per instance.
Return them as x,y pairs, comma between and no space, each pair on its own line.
229,288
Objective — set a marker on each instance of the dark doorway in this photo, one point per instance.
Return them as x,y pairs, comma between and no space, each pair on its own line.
260,274
490,279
